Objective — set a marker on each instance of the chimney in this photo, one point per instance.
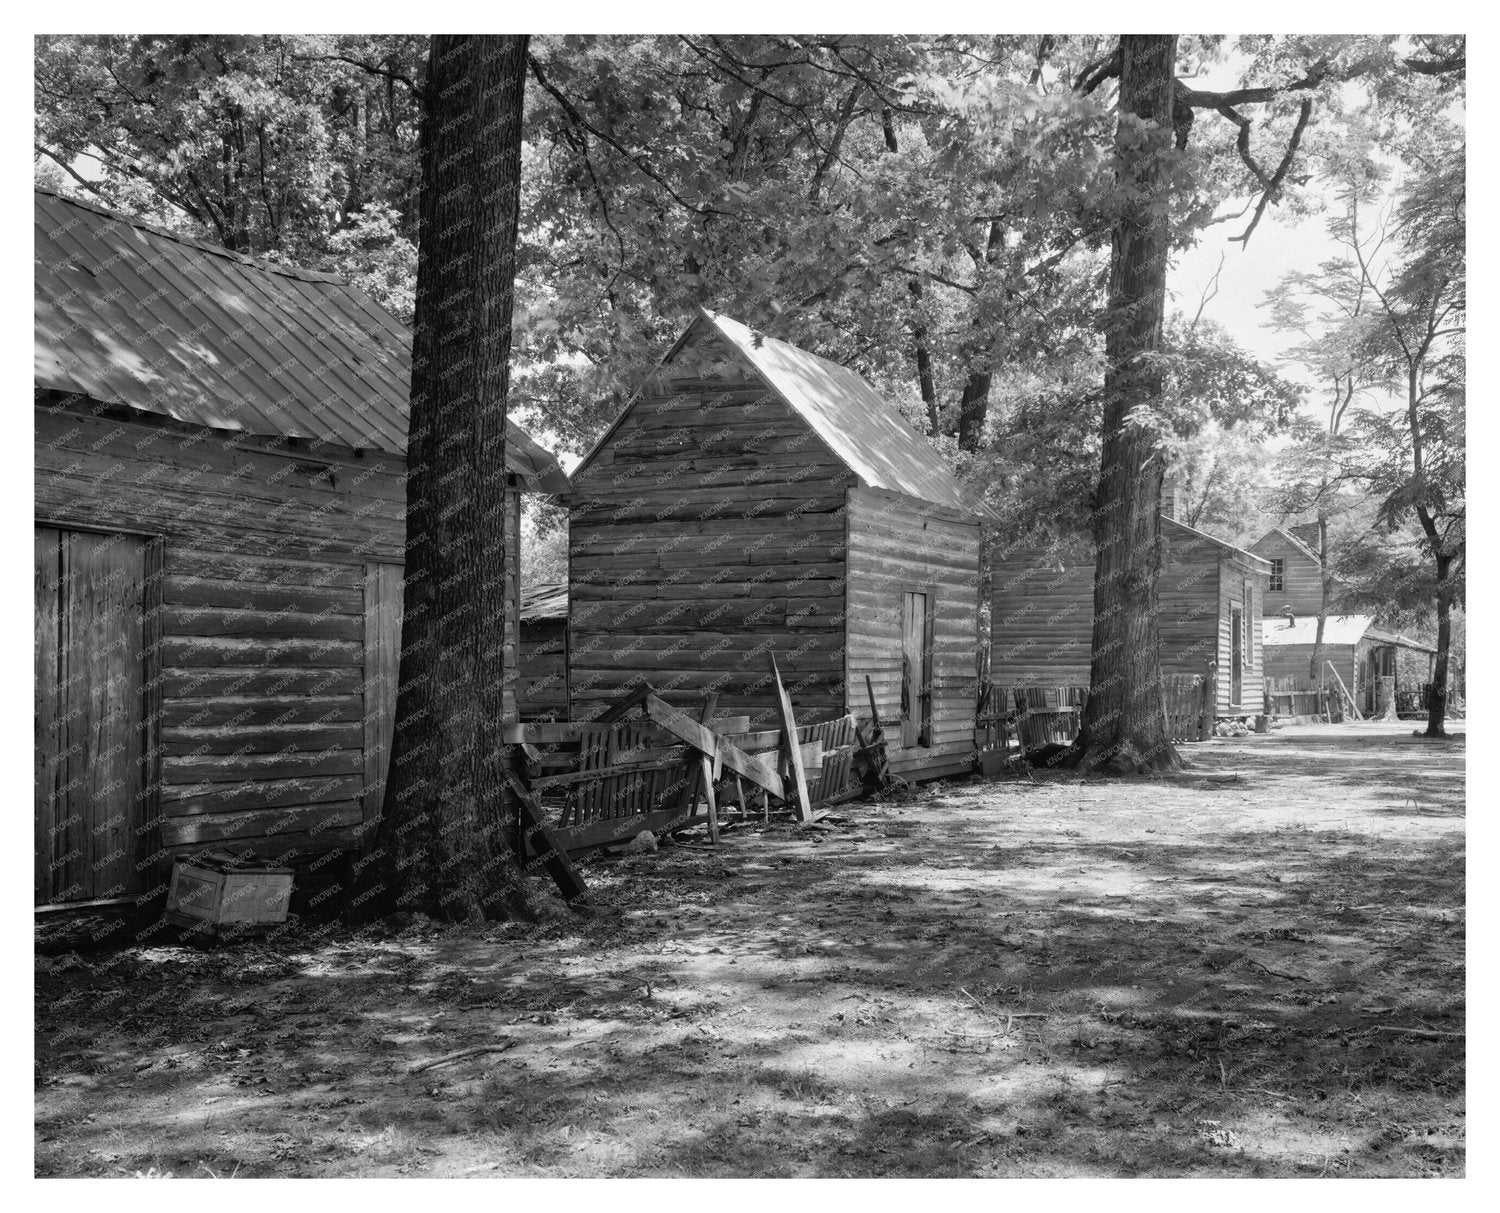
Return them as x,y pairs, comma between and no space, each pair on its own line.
1173,499
1291,618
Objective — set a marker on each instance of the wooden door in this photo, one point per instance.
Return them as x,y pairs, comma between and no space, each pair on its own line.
90,748
916,667
1236,655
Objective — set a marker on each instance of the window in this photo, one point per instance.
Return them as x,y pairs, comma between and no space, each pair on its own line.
1278,577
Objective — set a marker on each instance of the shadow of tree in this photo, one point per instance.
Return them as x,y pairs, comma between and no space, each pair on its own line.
988,981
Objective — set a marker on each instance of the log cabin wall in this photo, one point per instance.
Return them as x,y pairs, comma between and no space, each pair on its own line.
899,545
276,608
707,530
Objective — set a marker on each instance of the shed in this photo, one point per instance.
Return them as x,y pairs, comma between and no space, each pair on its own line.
1360,651
755,498
1210,594
543,690
219,530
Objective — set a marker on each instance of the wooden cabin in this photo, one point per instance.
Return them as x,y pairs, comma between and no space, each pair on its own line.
219,531
542,692
1210,594
1296,577
754,498
1360,651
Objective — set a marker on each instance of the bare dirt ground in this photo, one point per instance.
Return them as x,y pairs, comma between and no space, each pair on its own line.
1023,976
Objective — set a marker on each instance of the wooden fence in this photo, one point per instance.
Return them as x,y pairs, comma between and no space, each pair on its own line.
1052,715
1187,701
1288,695
1048,715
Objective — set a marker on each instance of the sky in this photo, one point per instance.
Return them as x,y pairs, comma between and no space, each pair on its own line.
1249,272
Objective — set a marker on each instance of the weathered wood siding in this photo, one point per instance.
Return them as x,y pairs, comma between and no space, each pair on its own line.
708,531
279,620
1291,660
93,770
899,545
1303,580
1193,618
542,692
1041,621
1241,585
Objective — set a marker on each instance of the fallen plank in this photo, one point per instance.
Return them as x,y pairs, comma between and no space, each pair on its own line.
753,767
554,858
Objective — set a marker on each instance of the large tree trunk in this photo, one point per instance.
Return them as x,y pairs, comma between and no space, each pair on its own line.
1438,707
444,844
974,409
1124,729
924,361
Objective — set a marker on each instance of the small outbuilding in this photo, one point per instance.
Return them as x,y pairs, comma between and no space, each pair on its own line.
754,498
219,508
1210,594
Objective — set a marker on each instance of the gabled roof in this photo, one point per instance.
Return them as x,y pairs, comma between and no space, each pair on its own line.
1298,544
544,600
1339,630
861,426
1219,543
864,430
128,314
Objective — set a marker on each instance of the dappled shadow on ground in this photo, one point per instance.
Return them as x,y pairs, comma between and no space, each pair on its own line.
1050,976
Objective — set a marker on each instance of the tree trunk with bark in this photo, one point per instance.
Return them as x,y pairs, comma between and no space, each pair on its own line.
1123,728
445,840
1437,708
1315,663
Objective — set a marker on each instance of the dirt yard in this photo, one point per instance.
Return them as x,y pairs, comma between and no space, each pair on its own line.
1023,976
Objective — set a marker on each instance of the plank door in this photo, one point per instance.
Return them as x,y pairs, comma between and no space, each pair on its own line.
1236,655
89,700
916,667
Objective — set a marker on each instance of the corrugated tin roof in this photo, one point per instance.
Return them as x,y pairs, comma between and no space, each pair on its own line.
544,600
1337,630
861,426
131,315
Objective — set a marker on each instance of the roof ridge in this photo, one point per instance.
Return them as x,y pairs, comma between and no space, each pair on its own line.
298,272
1223,543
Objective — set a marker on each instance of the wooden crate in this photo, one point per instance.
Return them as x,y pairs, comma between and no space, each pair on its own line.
206,894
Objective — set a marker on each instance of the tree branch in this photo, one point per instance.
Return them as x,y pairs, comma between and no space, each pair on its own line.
1272,190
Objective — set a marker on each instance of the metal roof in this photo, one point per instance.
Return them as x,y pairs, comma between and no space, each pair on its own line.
544,600
861,426
132,315
1337,630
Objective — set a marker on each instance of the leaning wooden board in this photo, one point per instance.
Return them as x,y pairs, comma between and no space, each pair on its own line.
793,751
758,770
